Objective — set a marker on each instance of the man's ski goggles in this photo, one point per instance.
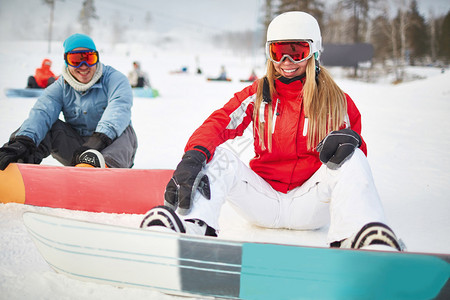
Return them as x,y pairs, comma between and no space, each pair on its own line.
296,51
77,58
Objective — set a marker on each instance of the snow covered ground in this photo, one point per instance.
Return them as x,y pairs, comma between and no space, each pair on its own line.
405,126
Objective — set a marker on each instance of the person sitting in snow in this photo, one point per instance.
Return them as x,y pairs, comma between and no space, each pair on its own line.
96,102
137,77
223,74
253,76
310,167
43,76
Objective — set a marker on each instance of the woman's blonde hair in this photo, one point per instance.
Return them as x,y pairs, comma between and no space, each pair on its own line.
324,103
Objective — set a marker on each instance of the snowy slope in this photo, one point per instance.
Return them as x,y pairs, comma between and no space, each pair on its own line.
406,128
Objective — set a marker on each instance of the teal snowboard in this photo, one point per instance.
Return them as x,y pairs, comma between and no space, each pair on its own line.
34,93
23,93
202,266
145,93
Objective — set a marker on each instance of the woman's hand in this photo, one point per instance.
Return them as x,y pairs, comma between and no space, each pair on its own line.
337,147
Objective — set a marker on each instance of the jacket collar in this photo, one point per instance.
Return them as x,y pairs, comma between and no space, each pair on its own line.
289,87
290,80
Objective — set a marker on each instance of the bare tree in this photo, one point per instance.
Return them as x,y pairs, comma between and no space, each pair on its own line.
359,21
51,3
432,24
148,19
118,29
87,13
385,36
403,26
334,29
313,7
268,16
381,38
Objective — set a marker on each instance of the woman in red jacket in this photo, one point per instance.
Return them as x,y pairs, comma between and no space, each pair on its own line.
43,76
310,167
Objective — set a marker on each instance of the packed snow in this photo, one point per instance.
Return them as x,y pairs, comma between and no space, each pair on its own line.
406,127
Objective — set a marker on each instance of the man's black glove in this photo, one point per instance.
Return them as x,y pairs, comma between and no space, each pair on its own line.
97,141
18,148
186,180
337,147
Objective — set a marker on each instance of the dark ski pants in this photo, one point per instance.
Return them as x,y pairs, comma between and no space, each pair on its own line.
62,140
32,84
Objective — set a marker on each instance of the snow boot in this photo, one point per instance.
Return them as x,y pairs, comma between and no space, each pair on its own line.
91,158
373,236
163,218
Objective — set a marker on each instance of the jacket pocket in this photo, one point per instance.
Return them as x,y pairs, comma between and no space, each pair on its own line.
71,114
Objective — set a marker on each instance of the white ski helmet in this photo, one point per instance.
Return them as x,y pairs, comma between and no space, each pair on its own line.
296,25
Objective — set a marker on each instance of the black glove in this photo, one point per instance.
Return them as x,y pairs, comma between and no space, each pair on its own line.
337,147
18,148
97,141
186,180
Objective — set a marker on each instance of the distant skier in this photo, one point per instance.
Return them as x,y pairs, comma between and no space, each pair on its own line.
96,102
137,77
310,166
43,76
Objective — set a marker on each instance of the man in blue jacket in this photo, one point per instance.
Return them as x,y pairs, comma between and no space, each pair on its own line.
95,100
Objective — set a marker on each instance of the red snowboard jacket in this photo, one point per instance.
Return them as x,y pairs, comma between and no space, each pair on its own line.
289,164
44,73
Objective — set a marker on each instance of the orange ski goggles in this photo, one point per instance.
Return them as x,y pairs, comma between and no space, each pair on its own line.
296,51
77,58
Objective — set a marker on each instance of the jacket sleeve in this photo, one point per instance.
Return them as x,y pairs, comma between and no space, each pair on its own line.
225,123
355,121
117,114
44,113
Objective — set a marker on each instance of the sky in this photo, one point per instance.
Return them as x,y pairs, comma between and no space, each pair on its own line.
194,16
438,6
213,15
201,16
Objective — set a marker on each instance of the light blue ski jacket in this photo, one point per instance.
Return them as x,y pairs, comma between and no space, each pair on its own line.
105,107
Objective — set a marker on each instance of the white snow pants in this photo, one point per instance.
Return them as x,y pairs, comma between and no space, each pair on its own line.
345,198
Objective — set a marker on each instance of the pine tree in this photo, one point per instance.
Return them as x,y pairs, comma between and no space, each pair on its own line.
444,40
417,35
